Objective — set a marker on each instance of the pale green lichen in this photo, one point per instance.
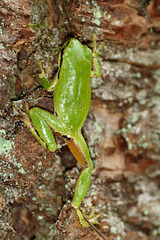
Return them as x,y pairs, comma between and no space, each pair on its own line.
93,139
88,202
141,143
130,146
40,217
97,136
152,43
2,22
21,170
97,22
118,238
19,165
146,80
5,145
1,46
134,117
138,75
34,199
93,80
155,232
157,75
83,19
146,212
96,15
98,127
109,17
144,145
122,131
40,164
113,229
107,72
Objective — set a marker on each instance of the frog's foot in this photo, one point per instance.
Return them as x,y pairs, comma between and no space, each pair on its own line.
24,115
80,216
44,76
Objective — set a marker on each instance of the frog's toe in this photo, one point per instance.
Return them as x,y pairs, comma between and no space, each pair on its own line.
92,217
82,218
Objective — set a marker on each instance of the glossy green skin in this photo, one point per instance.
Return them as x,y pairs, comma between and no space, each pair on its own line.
72,96
72,93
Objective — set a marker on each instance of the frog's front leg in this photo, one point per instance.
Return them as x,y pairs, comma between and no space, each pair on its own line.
49,86
44,76
79,149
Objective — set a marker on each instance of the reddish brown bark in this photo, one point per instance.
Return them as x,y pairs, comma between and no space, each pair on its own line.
122,127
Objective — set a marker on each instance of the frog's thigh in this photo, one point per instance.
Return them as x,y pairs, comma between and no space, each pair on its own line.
43,128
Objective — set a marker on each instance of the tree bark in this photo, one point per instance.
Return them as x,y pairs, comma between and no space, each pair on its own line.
122,128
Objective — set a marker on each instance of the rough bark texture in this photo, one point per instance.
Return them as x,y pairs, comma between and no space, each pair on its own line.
122,128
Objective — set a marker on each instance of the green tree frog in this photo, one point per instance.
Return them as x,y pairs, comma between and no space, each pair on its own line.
72,96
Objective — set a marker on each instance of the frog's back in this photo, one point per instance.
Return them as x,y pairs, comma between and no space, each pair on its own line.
72,93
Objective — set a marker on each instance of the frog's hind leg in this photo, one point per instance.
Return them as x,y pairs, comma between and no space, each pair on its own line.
40,122
43,121
79,149
44,131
